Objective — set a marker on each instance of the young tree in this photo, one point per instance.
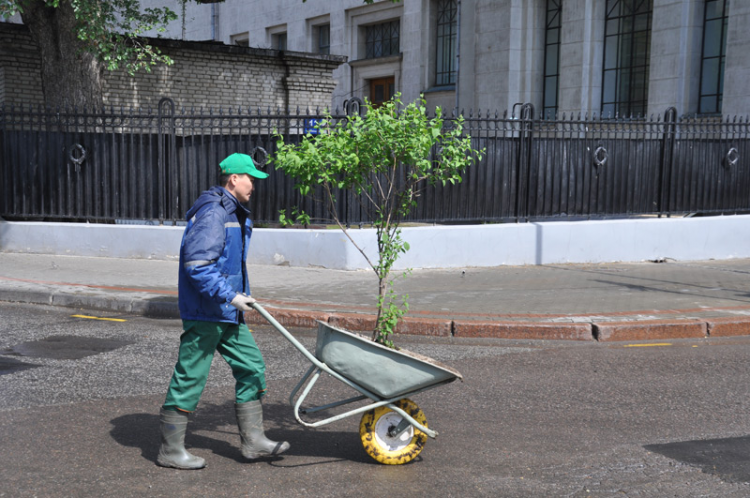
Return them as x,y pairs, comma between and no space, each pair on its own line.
385,158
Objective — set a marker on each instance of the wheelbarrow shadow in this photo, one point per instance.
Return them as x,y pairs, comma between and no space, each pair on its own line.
213,427
728,458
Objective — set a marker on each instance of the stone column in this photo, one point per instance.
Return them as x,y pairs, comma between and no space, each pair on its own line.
737,72
674,70
581,52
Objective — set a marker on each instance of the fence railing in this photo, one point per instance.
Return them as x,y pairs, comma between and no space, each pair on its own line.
118,164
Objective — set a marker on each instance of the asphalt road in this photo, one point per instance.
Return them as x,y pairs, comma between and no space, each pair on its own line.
531,419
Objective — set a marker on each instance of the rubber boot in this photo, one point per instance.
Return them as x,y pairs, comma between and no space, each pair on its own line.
172,452
255,444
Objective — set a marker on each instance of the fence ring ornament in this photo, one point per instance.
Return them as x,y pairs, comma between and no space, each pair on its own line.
732,157
260,157
353,106
166,107
80,157
601,156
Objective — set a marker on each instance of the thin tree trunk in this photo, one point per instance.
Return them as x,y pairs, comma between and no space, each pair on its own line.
70,75
382,290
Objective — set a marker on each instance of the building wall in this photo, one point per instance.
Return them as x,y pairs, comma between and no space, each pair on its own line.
259,22
737,74
675,55
20,66
501,49
581,52
203,75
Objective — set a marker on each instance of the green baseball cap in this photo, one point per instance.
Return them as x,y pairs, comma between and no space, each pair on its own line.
240,164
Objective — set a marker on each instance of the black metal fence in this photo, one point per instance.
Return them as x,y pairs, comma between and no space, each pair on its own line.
119,164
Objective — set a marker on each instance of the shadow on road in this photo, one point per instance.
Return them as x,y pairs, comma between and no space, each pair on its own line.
728,459
213,428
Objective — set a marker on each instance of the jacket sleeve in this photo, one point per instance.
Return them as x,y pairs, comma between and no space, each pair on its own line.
204,244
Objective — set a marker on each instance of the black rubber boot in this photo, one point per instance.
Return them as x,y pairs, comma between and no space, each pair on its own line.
255,444
172,452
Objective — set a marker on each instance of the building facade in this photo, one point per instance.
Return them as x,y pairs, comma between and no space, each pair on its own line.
593,56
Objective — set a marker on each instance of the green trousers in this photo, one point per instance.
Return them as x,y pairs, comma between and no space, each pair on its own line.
198,342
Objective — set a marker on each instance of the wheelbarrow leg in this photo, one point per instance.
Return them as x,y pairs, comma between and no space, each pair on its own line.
308,387
300,383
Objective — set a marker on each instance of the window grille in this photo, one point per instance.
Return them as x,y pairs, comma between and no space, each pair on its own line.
713,53
381,40
447,27
551,58
279,41
324,39
627,50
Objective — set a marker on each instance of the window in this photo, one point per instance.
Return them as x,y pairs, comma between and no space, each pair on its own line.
715,21
627,46
324,39
381,40
447,27
551,58
279,41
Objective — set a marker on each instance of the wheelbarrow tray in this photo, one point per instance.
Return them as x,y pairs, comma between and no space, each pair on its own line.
384,371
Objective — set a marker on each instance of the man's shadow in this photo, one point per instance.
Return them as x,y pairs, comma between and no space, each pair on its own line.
728,459
141,430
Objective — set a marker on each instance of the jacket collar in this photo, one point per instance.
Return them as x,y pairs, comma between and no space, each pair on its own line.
230,202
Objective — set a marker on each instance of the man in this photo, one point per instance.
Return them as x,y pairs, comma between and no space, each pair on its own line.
213,294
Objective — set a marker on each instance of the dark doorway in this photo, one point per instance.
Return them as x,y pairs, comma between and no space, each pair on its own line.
382,90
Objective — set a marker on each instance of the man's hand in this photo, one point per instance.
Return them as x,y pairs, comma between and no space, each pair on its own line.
242,302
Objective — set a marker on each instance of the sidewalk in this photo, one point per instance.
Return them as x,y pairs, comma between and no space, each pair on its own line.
604,302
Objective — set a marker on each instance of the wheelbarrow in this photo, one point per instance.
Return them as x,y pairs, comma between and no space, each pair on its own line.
393,429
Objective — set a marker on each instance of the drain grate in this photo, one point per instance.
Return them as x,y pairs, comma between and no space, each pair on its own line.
66,347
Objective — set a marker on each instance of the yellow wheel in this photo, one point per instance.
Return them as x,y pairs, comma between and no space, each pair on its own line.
375,430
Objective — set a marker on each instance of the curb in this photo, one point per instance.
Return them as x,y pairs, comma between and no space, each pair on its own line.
596,331
157,306
524,330
650,330
160,306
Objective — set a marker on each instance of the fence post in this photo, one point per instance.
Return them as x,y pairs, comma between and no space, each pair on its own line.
667,155
525,141
166,185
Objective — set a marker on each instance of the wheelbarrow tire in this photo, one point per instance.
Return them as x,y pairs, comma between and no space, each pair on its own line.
388,450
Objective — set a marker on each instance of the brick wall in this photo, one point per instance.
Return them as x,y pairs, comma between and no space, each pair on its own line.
204,74
19,61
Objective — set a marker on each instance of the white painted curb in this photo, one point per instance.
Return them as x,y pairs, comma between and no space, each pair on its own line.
719,237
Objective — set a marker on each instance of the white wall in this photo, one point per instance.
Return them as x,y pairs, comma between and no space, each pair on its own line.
720,237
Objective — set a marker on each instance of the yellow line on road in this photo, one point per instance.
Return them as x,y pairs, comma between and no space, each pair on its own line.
98,318
647,345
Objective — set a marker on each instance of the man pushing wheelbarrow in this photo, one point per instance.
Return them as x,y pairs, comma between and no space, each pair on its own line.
213,295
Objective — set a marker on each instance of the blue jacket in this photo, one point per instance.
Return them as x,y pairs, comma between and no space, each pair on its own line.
212,258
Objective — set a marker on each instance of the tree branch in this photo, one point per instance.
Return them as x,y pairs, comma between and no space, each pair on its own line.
332,211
